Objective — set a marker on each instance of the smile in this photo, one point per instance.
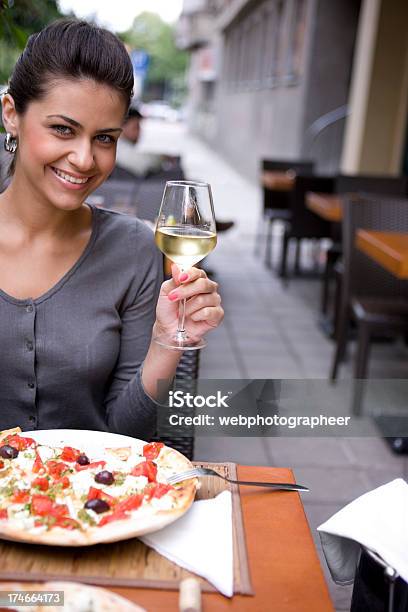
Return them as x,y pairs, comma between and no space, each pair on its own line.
69,178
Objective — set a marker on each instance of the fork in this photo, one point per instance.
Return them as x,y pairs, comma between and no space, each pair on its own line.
199,471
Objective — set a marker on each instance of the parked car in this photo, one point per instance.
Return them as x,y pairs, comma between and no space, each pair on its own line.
160,109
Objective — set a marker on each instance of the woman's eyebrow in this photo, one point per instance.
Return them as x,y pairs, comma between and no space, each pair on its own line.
78,125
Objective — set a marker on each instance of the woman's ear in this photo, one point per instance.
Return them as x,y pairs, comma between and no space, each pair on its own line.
9,114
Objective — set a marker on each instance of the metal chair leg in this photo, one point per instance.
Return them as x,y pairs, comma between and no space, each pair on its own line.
360,370
268,244
284,257
341,343
297,257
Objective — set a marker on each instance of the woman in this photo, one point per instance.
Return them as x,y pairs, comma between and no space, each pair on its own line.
79,285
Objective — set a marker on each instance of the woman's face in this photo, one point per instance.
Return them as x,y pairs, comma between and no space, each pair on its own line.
67,140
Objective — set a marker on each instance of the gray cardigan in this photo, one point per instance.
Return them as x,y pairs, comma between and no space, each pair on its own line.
72,357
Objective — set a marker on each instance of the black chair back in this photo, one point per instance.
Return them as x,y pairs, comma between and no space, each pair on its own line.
121,174
117,195
276,200
390,185
303,222
362,275
282,165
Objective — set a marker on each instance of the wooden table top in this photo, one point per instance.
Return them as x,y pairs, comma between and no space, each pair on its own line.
326,205
278,180
284,565
389,249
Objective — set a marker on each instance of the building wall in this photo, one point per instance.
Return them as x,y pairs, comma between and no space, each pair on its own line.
260,99
284,63
328,77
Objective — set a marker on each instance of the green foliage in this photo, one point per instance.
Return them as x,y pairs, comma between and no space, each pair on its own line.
167,62
19,19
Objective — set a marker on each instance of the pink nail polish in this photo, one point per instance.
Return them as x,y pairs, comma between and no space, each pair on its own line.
183,277
173,296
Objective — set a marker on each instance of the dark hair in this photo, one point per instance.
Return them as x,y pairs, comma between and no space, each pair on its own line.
70,48
133,113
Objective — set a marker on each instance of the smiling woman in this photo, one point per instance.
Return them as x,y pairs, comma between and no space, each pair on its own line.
79,285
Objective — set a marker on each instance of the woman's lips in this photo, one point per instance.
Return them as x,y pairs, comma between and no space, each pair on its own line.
69,181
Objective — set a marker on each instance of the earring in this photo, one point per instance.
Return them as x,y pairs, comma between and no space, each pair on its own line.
10,143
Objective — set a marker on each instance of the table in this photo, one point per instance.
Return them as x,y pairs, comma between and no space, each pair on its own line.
284,565
326,205
389,249
277,180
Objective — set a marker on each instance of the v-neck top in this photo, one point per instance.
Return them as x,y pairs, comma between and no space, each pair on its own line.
72,357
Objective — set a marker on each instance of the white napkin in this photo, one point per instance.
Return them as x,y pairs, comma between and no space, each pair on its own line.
377,520
201,541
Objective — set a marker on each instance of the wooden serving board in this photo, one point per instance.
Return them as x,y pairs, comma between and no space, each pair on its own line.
128,563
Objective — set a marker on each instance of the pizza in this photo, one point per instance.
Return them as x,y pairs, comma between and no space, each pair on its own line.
77,598
71,496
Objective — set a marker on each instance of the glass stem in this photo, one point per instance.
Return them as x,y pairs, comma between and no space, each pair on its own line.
181,318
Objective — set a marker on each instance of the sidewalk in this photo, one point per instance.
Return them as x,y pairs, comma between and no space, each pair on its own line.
270,332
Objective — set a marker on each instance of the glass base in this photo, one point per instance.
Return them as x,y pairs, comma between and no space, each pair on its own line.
180,341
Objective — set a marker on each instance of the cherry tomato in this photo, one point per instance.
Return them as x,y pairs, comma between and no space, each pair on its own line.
157,490
145,468
38,465
91,465
69,454
151,451
67,523
64,481
41,505
3,513
41,483
56,468
115,516
131,503
20,496
18,442
95,493
1,465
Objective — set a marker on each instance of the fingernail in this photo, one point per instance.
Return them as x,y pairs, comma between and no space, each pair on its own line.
173,296
183,277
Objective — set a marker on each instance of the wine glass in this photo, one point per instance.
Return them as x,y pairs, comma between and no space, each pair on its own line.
185,233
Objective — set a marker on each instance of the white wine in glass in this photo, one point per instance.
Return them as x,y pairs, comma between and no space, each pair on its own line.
185,233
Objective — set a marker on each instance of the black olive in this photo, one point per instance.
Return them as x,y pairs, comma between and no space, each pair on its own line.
97,505
83,460
104,477
8,452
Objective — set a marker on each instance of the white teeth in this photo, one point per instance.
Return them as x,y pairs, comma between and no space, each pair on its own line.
69,178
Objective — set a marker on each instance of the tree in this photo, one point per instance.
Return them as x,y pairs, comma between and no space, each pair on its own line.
19,19
167,63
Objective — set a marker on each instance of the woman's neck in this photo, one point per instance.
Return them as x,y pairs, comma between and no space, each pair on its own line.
31,216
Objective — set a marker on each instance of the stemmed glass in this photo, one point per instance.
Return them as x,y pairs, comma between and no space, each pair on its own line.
185,233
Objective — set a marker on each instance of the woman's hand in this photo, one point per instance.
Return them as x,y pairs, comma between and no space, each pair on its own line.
203,306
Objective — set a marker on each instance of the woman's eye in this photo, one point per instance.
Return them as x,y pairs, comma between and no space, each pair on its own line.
63,130
105,139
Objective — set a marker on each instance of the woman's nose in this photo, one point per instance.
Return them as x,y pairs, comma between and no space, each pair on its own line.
82,157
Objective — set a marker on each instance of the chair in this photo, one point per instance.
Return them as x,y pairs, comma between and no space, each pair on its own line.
121,174
119,195
182,437
303,223
275,202
375,299
390,185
